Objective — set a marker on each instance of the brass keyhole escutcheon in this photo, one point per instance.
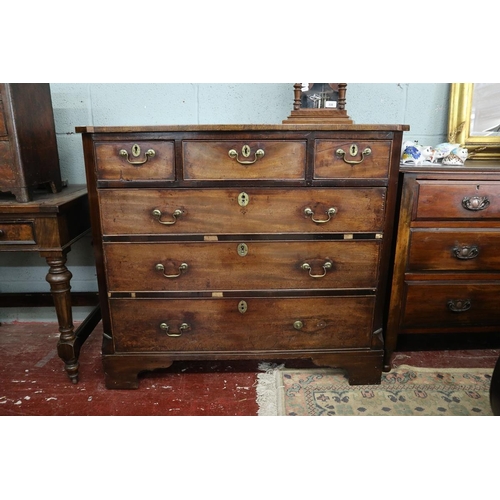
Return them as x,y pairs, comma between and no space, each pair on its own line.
242,307
245,150
353,150
242,249
243,199
136,150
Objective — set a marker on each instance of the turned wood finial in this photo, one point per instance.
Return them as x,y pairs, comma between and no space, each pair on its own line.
342,91
297,91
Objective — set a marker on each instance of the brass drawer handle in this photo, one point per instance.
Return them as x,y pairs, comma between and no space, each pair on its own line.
184,327
353,151
1,233
475,203
158,215
459,305
327,265
466,252
148,154
182,268
331,211
245,151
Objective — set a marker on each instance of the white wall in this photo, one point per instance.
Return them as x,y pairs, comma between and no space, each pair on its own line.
423,106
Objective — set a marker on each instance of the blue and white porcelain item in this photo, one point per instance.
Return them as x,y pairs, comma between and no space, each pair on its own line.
456,157
411,154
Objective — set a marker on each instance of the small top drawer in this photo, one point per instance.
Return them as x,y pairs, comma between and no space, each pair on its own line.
17,233
458,200
240,160
351,159
134,161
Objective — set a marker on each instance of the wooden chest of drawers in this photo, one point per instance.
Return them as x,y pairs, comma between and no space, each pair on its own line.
28,148
447,264
242,242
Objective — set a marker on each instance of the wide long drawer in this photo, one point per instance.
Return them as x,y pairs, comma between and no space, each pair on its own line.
239,160
237,211
244,265
458,200
446,250
219,324
451,305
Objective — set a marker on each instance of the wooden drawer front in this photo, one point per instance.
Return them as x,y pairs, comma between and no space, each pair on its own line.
17,233
219,265
111,165
213,211
218,325
3,127
430,305
330,165
206,160
6,163
454,251
458,200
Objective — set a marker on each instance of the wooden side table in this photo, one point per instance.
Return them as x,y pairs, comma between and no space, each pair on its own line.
49,225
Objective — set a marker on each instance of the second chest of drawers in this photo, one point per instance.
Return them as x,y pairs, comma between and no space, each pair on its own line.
447,264
242,242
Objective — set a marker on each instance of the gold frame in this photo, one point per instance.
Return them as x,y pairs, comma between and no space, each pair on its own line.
480,147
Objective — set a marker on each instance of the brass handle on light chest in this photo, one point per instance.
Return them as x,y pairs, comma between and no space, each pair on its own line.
184,327
331,211
245,152
353,151
182,268
158,215
475,203
307,267
136,151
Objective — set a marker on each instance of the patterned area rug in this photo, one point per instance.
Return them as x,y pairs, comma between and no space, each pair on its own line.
405,391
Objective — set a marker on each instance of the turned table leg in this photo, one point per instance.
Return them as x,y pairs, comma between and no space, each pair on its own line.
59,278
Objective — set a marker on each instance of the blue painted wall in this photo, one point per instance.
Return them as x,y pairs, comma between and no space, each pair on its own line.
423,106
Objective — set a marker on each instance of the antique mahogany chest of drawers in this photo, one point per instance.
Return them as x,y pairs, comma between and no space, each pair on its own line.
447,263
28,147
242,242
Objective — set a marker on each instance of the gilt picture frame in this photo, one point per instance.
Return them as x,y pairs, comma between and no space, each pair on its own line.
474,119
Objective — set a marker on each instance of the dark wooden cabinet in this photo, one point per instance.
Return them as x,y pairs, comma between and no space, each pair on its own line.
242,242
447,265
28,148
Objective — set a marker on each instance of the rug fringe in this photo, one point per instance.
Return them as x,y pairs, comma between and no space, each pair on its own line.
268,385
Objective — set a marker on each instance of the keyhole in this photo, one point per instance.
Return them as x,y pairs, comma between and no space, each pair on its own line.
353,150
243,199
136,150
245,151
242,307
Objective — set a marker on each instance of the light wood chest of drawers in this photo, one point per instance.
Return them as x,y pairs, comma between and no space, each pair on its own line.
447,262
242,242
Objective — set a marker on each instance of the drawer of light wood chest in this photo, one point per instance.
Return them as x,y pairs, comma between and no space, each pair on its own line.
134,161
241,211
243,265
225,160
351,159
448,250
458,200
242,324
451,305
